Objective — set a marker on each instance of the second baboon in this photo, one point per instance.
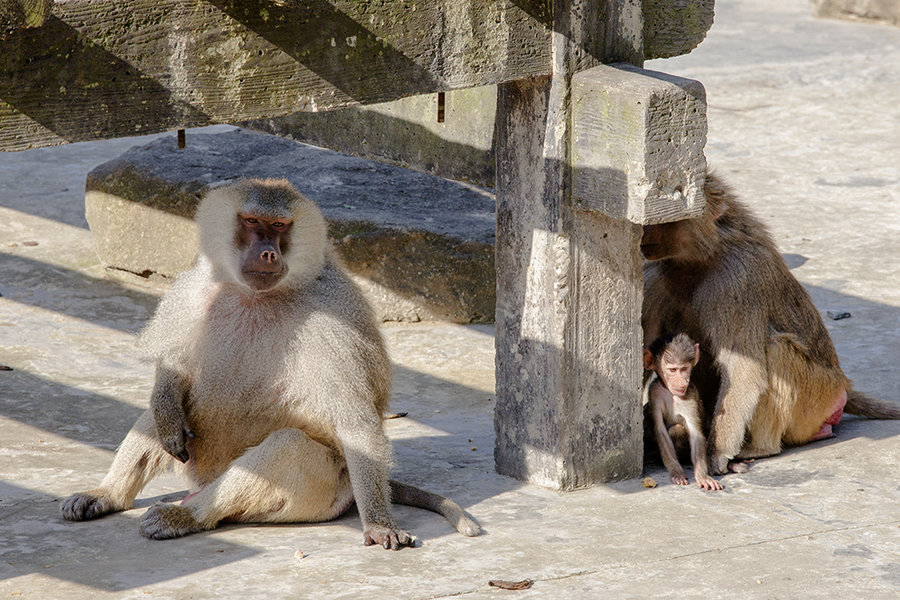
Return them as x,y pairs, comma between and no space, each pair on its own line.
720,279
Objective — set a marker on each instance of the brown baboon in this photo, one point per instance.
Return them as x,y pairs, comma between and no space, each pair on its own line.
720,279
272,380
675,407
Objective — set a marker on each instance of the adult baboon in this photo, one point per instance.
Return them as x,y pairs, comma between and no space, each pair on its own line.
271,383
720,279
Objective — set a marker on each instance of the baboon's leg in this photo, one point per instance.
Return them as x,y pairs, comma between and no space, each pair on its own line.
810,397
139,459
815,420
765,433
287,478
744,383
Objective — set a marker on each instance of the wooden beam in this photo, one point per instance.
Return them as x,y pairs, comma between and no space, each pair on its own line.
18,14
584,157
110,68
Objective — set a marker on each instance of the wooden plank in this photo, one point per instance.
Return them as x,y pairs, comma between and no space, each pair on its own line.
16,14
569,289
108,68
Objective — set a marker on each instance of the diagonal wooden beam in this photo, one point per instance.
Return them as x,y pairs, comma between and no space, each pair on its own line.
109,68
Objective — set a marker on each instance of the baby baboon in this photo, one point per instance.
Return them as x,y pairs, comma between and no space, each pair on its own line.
675,407
720,279
271,383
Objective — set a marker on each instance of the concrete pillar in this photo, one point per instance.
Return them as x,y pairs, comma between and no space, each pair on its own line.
583,160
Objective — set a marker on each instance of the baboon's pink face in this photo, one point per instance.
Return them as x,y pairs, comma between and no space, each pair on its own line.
263,242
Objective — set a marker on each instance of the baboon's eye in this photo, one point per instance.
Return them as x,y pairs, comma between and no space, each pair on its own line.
279,225
251,220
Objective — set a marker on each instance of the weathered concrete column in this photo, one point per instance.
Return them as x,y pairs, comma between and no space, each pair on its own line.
582,161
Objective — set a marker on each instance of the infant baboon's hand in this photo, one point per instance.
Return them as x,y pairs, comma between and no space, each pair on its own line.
708,483
387,537
678,477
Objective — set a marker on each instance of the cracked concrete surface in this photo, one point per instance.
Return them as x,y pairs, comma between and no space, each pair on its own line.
804,123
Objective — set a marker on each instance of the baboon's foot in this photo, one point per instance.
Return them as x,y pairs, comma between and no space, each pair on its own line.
163,521
388,538
738,466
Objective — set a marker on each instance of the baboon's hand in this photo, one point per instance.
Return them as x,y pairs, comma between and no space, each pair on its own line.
174,441
85,506
708,483
387,537
678,477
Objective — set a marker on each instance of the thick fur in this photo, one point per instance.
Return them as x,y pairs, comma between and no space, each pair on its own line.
720,279
273,398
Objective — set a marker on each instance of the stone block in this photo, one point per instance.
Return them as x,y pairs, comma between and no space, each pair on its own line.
885,11
569,288
637,144
421,247
675,27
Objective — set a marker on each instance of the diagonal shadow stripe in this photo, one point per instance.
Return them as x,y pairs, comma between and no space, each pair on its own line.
34,283
334,45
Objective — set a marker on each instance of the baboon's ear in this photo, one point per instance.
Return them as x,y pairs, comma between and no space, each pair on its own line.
696,354
648,359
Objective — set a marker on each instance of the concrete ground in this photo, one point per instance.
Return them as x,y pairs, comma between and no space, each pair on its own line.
804,122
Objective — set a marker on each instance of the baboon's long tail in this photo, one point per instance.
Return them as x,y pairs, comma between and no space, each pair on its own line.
408,495
873,408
